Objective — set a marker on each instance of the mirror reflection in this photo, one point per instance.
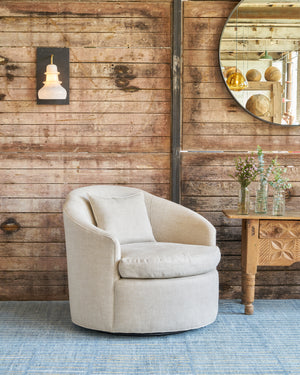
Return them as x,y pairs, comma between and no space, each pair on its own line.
260,60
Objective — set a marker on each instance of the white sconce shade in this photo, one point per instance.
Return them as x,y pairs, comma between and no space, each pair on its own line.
52,88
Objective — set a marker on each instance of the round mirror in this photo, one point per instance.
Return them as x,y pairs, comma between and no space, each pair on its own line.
260,60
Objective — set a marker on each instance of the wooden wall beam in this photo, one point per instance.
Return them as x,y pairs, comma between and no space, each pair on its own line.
176,99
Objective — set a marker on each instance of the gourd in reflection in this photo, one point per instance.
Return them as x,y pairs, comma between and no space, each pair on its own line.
272,74
253,75
258,104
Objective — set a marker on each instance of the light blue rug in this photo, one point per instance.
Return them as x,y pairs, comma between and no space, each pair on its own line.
39,338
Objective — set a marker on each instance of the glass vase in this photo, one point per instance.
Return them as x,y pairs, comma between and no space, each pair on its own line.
244,201
278,203
261,200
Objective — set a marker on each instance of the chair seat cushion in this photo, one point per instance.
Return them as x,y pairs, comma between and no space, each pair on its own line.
160,260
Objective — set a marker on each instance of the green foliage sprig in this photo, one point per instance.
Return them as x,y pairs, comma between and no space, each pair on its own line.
279,181
264,174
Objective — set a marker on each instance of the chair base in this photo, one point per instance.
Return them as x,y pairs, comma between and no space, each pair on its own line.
159,306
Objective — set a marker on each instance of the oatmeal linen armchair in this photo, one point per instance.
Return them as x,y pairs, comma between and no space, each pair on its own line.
167,285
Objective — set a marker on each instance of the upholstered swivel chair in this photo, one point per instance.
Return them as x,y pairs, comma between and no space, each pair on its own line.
138,263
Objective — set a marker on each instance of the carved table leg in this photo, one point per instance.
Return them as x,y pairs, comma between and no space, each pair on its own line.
249,262
248,288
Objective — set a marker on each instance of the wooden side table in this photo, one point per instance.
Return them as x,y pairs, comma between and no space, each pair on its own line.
266,241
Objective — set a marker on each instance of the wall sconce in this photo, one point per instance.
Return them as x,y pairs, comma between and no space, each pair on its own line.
52,75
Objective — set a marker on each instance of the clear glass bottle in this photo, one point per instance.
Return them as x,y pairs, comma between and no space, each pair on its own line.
261,200
278,203
244,201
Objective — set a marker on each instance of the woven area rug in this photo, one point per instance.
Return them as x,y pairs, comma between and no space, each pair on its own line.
39,338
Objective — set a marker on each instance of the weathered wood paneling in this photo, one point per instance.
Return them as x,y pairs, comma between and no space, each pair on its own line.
112,132
213,121
207,188
204,91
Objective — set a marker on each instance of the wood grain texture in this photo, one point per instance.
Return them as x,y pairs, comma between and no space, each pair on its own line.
94,69
86,40
211,9
28,160
112,132
81,54
88,107
87,25
82,9
207,188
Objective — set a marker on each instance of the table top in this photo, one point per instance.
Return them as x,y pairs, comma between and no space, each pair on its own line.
289,215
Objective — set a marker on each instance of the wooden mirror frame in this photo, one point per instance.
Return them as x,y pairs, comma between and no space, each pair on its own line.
224,78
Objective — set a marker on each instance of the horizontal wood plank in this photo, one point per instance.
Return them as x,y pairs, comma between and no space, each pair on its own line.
236,129
240,143
204,111
85,176
199,58
36,278
118,25
227,158
83,9
86,118
101,55
34,235
204,9
225,188
92,69
203,26
86,144
86,40
36,220
60,160
201,41
89,83
33,293
32,249
46,190
198,74
142,130
112,95
215,203
208,173
89,107
205,90
92,1
33,264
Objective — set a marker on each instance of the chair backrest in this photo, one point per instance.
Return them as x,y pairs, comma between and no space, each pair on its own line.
78,206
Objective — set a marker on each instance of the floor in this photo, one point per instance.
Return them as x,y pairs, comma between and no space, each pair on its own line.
39,338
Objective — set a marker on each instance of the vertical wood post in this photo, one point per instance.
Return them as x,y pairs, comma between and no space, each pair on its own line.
176,100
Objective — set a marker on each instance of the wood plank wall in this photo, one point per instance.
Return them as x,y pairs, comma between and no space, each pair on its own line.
116,129
216,127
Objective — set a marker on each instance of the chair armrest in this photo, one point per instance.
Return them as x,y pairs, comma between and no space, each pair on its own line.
172,222
92,261
85,237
